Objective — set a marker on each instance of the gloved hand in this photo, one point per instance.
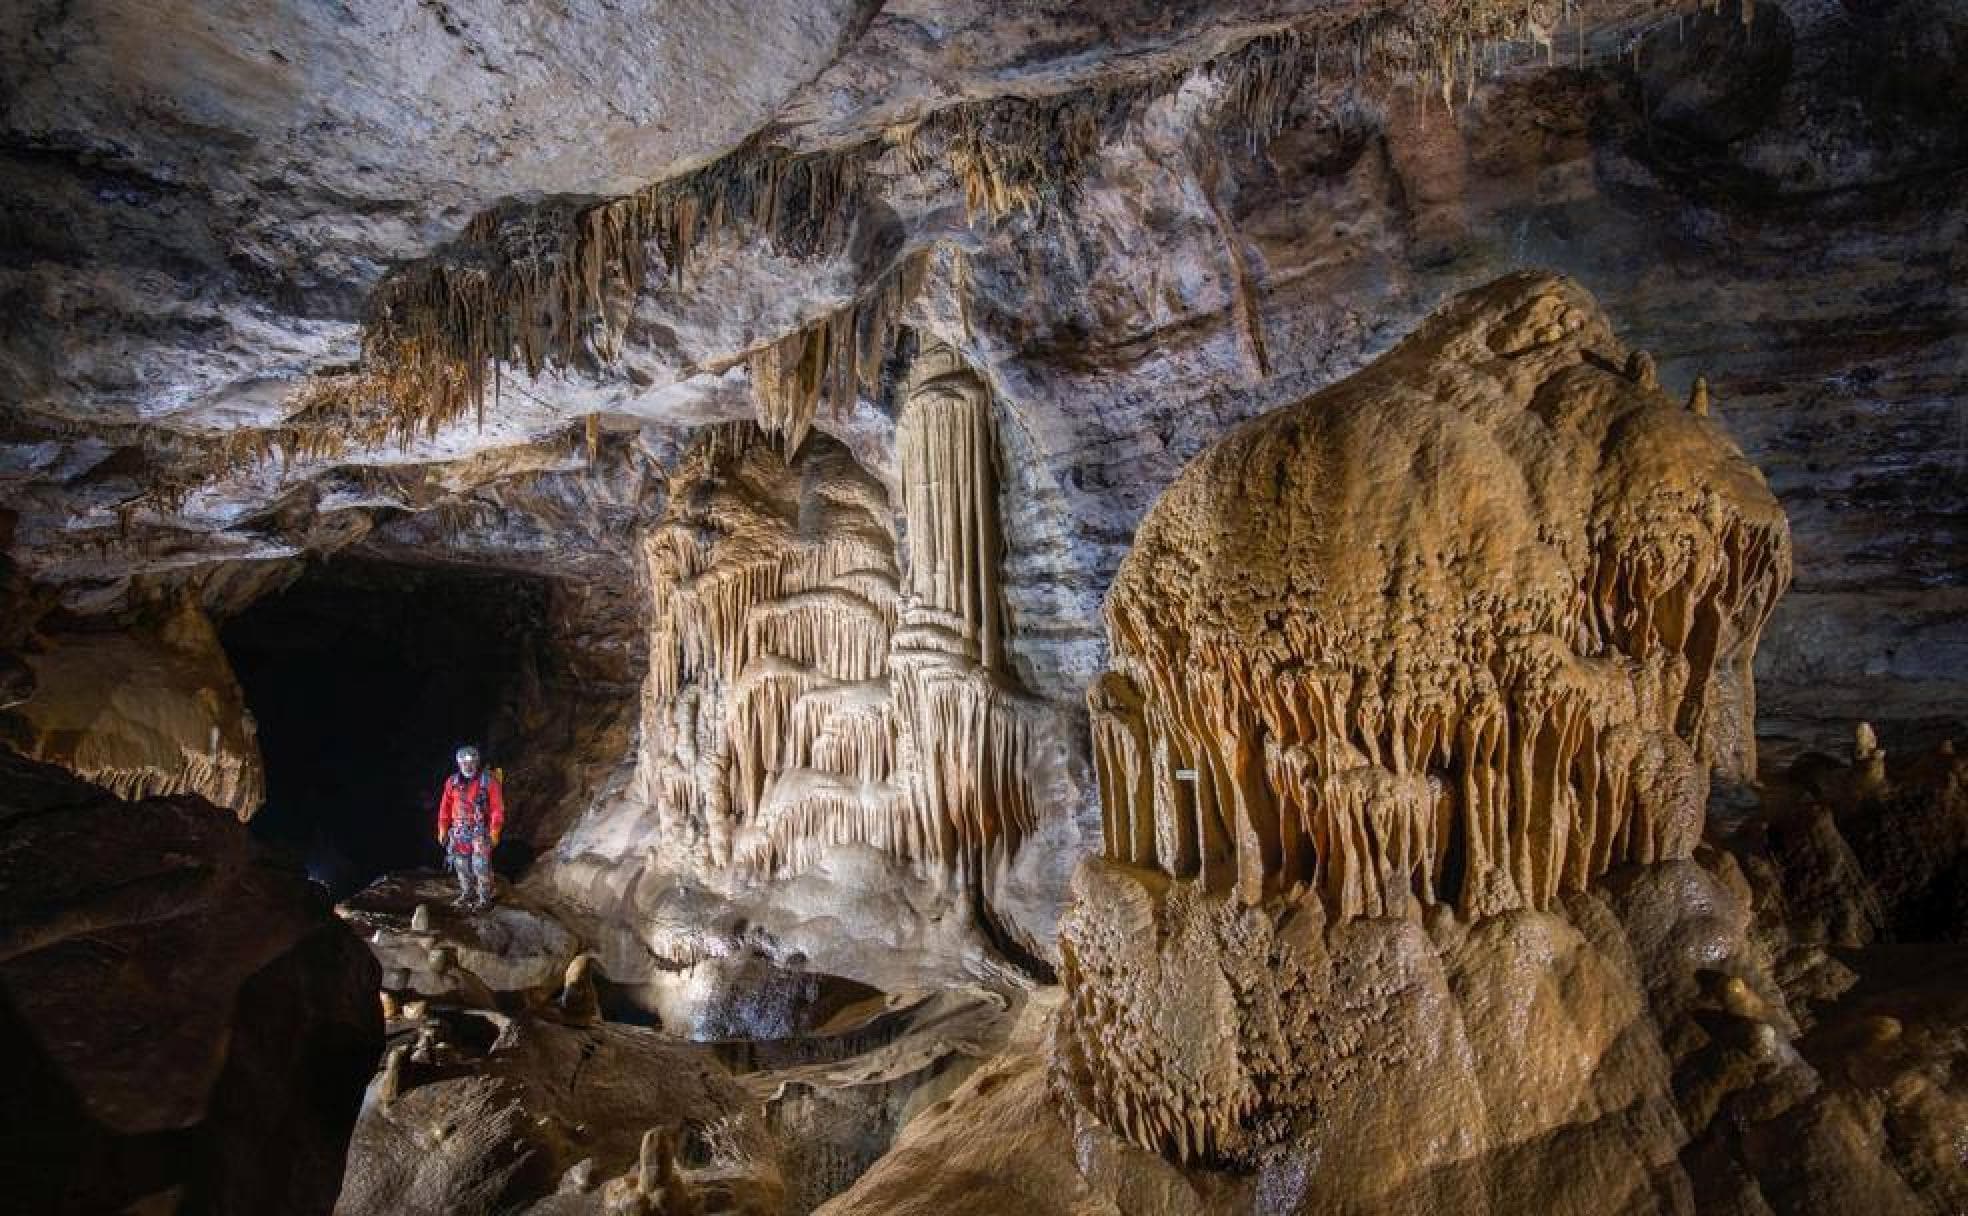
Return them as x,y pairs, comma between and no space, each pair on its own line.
443,840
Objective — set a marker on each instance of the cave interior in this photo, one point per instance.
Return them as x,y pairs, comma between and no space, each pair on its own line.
1260,608
363,677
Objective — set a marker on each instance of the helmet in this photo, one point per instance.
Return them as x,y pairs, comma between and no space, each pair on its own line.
467,752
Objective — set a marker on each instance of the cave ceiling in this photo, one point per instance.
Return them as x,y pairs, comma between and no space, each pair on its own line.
229,226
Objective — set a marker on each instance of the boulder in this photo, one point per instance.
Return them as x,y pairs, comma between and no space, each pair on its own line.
184,1025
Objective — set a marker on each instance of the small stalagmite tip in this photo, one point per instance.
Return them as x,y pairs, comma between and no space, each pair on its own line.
392,1084
654,1157
1698,398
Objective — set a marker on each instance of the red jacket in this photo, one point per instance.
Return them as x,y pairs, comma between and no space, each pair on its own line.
460,806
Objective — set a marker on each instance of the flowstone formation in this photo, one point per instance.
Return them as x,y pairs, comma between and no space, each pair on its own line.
774,597
142,712
818,681
1455,637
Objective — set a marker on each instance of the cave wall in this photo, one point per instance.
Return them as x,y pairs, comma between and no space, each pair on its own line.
364,677
1379,929
491,289
1253,205
1771,203
187,1025
148,709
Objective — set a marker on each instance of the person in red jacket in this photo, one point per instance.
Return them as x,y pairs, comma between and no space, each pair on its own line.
469,819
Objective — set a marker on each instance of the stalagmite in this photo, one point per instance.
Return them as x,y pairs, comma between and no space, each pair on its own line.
392,1083
1466,630
1868,761
578,1001
420,920
658,1181
950,490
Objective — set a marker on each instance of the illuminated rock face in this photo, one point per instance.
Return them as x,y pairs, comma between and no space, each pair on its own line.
1463,632
143,712
773,589
808,688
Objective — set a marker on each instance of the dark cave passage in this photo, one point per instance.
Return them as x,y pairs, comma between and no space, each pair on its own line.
365,676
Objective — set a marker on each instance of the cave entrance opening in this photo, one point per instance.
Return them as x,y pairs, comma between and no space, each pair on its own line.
364,677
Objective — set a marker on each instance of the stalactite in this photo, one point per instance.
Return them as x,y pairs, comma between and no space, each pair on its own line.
1386,735
801,695
223,780
555,284
948,454
786,382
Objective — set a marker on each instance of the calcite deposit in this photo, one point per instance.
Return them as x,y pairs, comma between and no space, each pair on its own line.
1464,632
827,670
1404,906
144,711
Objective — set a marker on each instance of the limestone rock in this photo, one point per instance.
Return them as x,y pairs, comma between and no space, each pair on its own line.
811,688
143,712
1629,1054
509,947
180,1014
515,1105
1849,853
987,277
1400,673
